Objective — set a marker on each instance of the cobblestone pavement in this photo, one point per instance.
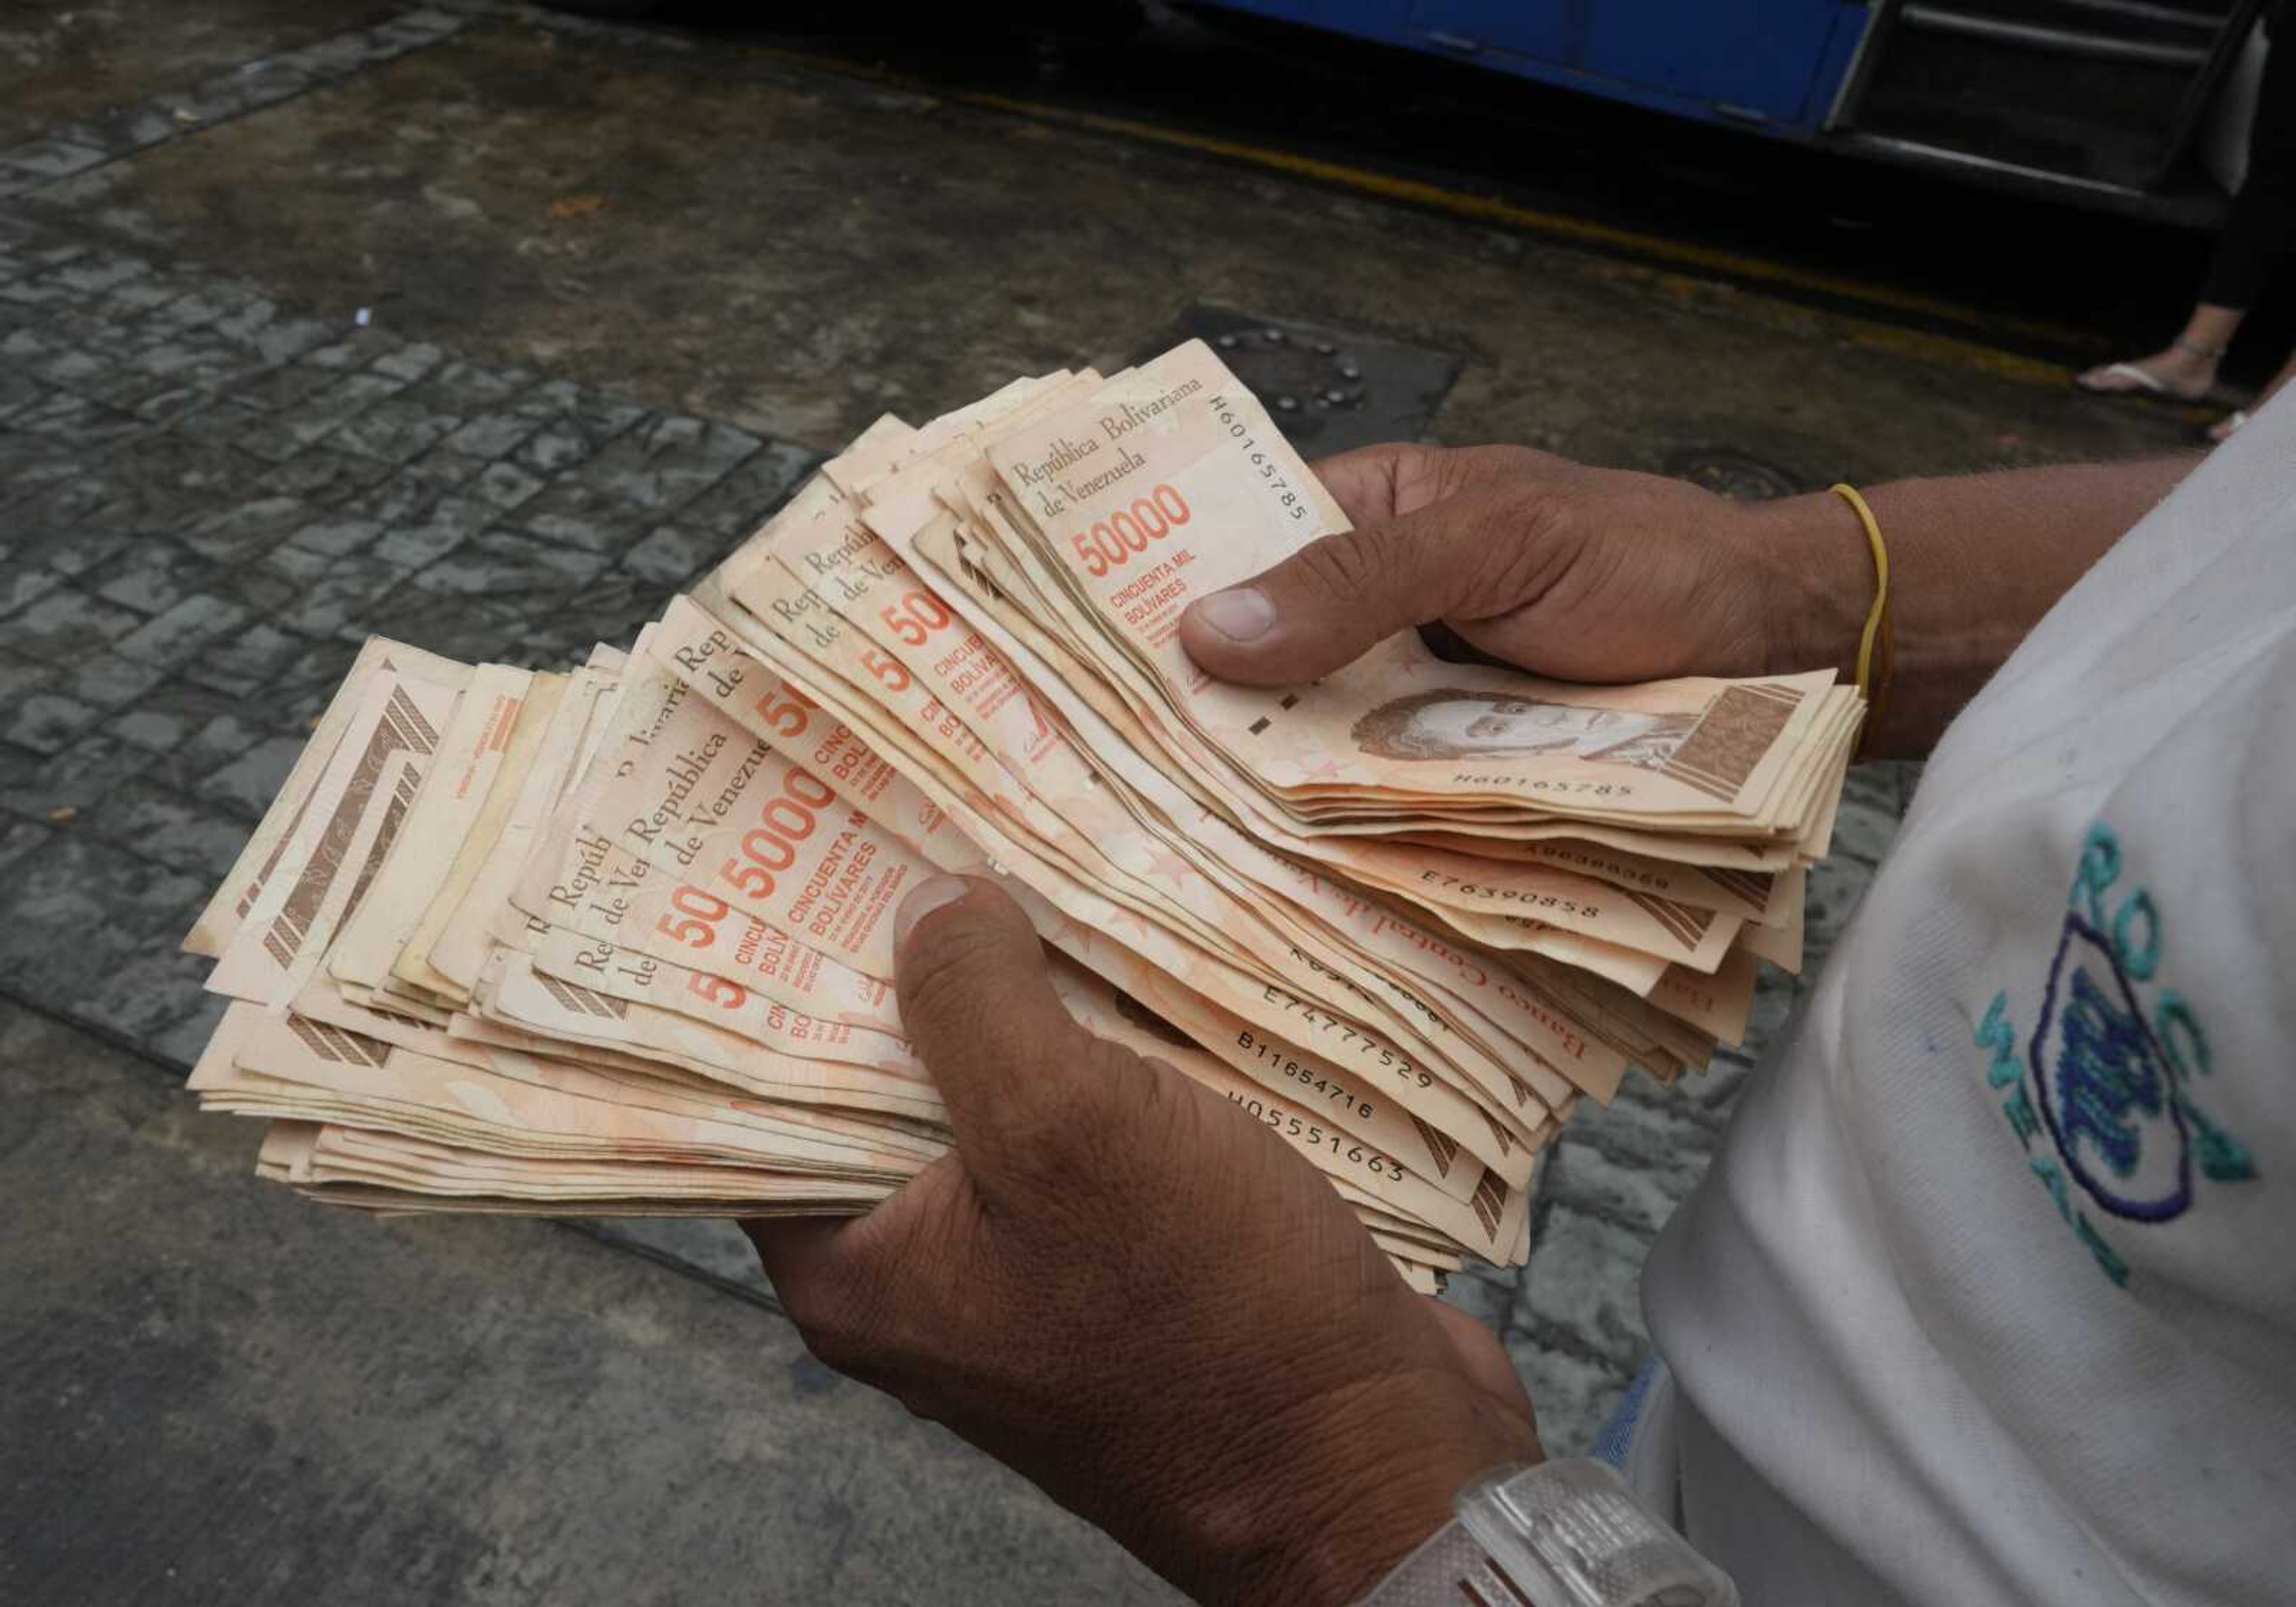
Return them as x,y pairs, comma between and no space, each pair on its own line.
208,499
209,504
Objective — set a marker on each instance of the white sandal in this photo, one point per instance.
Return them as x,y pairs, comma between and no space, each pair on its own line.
2141,383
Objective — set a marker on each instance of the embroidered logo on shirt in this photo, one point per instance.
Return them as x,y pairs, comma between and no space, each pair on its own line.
2109,1081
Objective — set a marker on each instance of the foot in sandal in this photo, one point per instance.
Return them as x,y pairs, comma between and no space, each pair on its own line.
2179,372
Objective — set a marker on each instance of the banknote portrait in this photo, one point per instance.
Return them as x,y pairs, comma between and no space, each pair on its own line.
1449,723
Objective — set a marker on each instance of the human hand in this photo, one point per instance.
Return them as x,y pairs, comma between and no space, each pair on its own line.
1577,573
1122,1286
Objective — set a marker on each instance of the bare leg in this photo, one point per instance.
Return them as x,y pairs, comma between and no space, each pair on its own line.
2187,367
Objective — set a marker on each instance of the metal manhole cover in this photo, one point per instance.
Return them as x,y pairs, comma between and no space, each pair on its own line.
1328,390
1733,473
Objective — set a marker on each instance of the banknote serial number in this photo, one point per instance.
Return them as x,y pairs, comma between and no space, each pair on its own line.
1307,1077
1323,1020
1315,1136
1512,895
1591,789
1267,465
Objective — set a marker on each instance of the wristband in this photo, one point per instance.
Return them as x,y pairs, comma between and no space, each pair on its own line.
1877,653
1562,1534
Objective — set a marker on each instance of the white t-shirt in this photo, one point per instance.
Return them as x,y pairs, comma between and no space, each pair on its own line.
1990,1296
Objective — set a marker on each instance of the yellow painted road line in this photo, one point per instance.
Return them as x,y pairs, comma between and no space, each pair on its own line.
1492,209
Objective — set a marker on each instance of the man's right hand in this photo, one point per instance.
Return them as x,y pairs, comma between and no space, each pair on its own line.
1128,1288
1577,573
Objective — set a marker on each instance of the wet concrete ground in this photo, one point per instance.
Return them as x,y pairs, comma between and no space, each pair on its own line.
714,231
221,1395
622,288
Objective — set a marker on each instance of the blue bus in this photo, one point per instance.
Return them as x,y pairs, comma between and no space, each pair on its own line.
2132,105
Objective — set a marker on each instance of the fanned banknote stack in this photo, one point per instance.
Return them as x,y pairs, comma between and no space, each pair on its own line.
619,940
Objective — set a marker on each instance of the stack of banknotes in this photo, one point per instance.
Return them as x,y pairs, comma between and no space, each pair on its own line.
619,940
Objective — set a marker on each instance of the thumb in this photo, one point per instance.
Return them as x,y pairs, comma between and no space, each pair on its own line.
1331,601
978,1003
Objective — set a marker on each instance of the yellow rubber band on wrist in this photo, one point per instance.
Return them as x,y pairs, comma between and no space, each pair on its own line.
1873,633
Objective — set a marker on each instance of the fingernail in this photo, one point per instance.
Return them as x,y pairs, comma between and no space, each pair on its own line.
923,899
1242,614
